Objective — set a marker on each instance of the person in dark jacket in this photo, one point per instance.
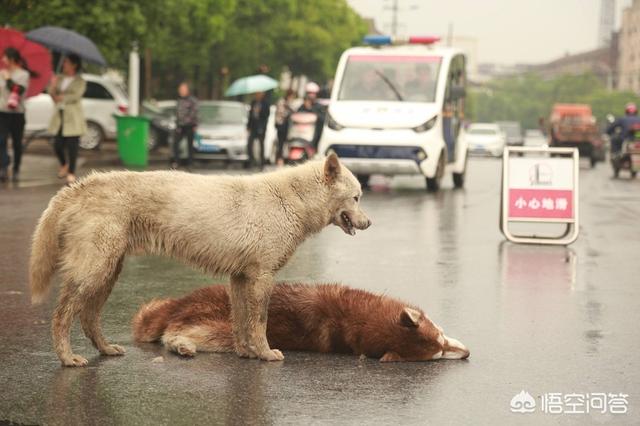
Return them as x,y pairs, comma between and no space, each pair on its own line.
283,112
186,123
257,127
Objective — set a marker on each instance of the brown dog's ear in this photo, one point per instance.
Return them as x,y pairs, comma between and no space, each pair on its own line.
331,168
410,317
391,357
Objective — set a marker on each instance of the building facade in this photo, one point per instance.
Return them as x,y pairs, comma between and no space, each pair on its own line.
602,62
629,58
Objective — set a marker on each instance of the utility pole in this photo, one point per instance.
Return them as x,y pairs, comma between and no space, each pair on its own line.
394,18
395,9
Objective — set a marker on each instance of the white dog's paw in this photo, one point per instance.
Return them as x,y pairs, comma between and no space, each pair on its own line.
271,355
74,361
113,350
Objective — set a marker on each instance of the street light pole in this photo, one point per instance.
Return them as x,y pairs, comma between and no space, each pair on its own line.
394,18
134,80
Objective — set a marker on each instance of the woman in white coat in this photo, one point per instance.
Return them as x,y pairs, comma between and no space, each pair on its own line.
68,122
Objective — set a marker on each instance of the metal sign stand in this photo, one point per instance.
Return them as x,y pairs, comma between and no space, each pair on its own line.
543,210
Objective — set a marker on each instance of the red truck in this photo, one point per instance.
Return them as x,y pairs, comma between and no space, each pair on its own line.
573,125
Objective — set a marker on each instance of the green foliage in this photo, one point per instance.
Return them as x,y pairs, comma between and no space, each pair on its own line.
195,39
526,98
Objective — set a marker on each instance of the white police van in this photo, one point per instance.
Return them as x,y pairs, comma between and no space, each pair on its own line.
398,109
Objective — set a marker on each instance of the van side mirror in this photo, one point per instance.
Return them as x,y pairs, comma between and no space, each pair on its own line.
458,92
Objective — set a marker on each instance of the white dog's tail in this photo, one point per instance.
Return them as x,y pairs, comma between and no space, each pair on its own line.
44,253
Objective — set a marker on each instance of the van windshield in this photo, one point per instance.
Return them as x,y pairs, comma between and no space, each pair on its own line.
390,78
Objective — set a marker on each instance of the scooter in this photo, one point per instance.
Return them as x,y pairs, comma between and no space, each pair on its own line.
628,158
299,145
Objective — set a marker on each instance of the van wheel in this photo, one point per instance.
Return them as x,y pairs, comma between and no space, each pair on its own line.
433,184
593,161
93,138
633,174
364,180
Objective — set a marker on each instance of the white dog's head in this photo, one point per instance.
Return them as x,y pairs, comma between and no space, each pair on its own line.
344,197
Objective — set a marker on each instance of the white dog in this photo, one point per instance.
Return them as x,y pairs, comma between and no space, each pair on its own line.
246,227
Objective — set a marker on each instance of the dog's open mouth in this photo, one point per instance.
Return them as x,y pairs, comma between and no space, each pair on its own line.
346,224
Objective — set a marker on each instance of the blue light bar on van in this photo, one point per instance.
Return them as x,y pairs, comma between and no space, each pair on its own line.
377,40
383,40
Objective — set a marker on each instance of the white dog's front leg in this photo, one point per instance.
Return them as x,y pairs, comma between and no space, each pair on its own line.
249,310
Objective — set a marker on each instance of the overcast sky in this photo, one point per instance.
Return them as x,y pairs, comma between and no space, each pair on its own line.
507,31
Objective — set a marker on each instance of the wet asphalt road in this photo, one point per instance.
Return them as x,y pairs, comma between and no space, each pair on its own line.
539,319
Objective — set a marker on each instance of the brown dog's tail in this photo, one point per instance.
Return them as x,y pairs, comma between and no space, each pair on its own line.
151,320
44,252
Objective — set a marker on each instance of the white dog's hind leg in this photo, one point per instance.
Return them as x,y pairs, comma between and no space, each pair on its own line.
63,316
90,314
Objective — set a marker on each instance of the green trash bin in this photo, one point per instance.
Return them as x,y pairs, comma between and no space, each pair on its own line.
133,136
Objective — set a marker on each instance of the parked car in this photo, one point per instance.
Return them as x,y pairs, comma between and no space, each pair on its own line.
162,127
513,132
103,98
222,131
534,138
485,139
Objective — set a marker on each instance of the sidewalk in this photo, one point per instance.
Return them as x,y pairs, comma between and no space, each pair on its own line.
40,166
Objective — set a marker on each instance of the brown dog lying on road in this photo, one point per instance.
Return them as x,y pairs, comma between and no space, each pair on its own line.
319,318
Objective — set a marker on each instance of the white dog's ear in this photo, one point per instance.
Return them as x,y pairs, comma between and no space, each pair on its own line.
331,168
410,317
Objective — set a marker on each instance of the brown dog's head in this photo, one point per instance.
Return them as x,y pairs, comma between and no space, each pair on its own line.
344,197
419,339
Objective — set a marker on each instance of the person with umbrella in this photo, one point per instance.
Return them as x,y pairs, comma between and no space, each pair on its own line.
68,122
259,110
14,82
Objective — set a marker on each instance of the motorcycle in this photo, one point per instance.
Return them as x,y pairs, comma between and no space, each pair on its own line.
299,145
628,157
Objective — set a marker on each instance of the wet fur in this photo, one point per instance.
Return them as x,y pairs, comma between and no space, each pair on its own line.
326,318
243,226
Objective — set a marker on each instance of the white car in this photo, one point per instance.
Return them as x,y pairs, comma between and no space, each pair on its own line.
102,98
397,110
534,138
485,139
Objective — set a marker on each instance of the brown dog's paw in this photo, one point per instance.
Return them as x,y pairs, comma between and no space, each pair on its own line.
74,361
391,357
113,350
186,349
